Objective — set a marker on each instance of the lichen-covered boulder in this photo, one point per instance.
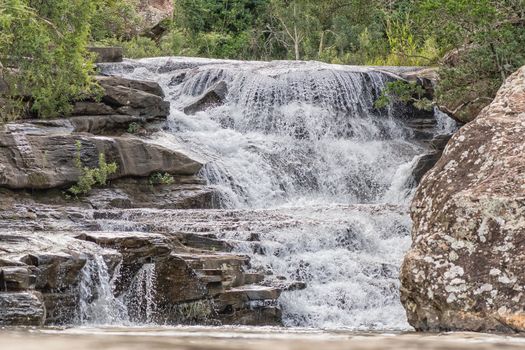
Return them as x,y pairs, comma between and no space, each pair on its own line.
466,267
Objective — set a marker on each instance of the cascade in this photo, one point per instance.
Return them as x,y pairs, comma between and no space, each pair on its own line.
141,297
304,161
97,302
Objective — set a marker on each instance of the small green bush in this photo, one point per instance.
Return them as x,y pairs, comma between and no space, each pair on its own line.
133,128
405,92
159,178
91,176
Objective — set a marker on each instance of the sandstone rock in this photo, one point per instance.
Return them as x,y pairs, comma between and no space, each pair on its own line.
213,97
55,271
149,87
25,308
153,12
104,124
82,108
185,193
135,102
16,278
38,158
465,270
135,247
61,308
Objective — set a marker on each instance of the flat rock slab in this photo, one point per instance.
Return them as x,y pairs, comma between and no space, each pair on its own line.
34,157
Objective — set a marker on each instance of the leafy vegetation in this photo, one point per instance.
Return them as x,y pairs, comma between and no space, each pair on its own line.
159,178
91,177
133,128
406,92
45,42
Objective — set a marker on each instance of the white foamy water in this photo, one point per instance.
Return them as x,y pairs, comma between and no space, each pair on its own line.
141,296
98,304
303,139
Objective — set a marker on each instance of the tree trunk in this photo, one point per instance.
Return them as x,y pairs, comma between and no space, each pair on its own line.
321,45
296,37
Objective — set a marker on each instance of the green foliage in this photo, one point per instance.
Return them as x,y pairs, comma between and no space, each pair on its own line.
159,178
91,177
405,92
489,38
46,42
133,127
115,19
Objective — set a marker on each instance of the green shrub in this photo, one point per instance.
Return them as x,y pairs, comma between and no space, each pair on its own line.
159,178
140,47
405,92
133,127
91,176
46,43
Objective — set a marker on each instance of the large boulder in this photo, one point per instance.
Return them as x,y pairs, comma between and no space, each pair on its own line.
153,14
466,267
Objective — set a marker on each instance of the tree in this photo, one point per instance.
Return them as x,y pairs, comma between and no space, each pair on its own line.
292,23
486,39
44,43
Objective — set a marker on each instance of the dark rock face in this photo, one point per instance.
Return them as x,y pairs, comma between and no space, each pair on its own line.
465,270
24,308
213,97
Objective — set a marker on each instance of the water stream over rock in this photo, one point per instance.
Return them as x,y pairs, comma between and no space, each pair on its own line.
274,193
314,181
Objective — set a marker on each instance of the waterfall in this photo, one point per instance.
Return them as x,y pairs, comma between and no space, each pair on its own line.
141,296
97,302
302,142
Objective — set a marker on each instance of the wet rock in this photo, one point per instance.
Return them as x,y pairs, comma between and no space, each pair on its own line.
24,308
135,102
149,87
91,108
135,247
262,315
55,271
105,124
425,162
213,97
177,282
204,242
61,308
16,278
465,270
137,98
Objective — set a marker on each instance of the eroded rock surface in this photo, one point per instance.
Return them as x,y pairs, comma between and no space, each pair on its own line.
465,270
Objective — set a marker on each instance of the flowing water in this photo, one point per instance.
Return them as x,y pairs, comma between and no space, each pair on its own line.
303,160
